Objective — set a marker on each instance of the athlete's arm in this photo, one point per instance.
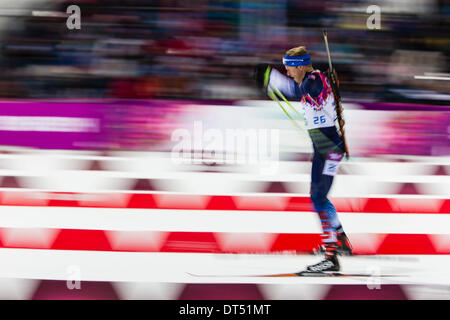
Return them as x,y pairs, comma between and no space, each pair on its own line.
268,78
288,87
312,86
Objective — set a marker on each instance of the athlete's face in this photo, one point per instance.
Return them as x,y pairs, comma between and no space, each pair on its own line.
296,73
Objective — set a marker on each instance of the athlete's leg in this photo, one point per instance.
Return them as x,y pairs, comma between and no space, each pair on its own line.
320,185
333,233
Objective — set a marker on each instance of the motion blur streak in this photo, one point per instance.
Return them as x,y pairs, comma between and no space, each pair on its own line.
95,119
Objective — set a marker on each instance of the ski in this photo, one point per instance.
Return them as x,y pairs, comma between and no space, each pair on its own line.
330,274
298,274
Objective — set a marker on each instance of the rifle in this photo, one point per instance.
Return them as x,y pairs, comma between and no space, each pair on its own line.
332,76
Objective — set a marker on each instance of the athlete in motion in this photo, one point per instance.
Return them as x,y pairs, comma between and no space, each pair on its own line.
313,89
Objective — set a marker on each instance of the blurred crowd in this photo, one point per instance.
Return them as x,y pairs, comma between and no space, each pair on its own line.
206,49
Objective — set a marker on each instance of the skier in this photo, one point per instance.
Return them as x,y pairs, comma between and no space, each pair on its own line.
313,89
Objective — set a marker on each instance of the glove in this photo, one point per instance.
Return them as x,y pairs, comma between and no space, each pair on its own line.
261,75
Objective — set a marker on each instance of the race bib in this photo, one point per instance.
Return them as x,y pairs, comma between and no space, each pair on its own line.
332,163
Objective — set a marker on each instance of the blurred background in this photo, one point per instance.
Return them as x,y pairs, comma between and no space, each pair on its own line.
87,123
206,49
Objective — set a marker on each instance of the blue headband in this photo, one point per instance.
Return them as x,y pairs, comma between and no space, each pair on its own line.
297,61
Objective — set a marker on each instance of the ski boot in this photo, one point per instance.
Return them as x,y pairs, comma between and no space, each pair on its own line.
328,264
344,248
